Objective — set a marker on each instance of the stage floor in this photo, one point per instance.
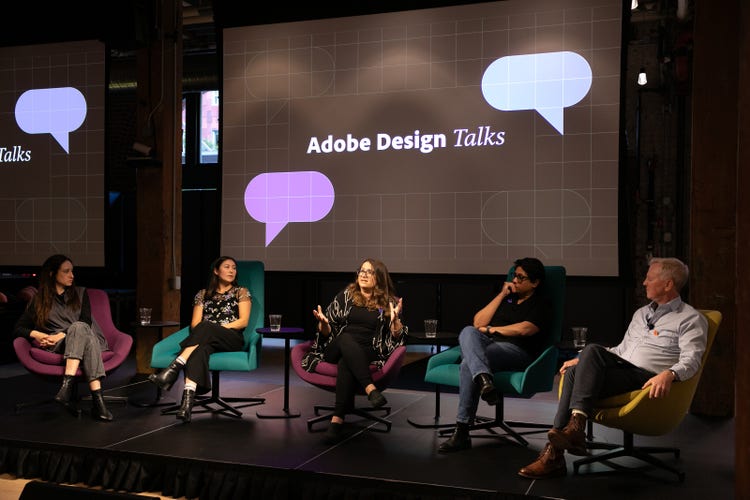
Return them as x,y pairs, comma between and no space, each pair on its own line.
405,454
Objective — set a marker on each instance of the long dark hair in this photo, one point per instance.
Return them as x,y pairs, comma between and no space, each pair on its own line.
213,278
383,293
42,303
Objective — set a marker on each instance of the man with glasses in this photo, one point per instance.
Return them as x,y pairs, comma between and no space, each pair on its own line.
664,342
507,334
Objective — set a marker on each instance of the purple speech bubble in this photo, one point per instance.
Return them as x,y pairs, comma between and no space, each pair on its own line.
279,198
56,111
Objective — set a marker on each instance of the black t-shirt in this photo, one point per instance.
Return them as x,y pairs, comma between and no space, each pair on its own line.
537,309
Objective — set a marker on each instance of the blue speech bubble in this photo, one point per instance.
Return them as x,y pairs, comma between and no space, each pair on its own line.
56,111
547,82
278,198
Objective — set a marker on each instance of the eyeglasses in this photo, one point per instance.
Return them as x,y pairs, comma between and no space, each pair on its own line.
520,277
366,272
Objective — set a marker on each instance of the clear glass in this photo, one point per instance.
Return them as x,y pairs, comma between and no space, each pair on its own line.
580,334
144,315
274,322
430,328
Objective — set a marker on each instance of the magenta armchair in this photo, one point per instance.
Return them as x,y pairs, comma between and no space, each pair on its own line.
324,377
51,365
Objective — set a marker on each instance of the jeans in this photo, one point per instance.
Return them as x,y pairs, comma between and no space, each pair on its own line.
482,354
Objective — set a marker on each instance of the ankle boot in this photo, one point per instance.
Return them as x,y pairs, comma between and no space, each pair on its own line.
99,410
186,407
66,390
550,463
572,438
487,388
167,377
460,440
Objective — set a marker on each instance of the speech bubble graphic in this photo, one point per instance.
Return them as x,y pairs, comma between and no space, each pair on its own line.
55,111
547,82
278,198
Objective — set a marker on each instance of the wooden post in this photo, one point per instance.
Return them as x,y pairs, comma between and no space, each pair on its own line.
159,186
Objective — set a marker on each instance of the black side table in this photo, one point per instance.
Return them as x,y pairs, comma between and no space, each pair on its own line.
439,340
286,333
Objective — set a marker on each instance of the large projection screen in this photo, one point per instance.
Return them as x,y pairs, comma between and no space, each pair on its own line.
446,140
52,153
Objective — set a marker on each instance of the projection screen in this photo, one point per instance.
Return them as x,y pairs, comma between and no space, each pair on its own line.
445,140
52,153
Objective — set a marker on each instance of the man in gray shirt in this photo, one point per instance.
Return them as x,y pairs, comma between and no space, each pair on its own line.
664,342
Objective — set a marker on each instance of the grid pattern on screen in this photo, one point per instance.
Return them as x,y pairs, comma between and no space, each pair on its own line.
52,201
457,210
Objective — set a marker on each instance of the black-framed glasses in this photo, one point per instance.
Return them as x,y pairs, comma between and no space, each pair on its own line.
366,272
520,277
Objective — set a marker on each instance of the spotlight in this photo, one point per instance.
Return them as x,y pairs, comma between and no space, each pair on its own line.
642,80
634,5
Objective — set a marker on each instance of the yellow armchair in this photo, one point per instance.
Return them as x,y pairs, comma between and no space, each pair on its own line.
635,413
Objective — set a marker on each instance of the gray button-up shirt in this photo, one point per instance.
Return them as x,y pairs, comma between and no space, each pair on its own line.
673,337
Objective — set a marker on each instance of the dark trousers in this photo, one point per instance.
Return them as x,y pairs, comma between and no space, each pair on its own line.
598,374
353,355
210,338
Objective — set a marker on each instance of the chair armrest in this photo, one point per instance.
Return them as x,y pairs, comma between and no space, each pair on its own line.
169,347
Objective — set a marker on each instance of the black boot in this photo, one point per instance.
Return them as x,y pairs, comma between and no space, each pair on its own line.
66,390
99,410
186,407
460,440
167,377
487,388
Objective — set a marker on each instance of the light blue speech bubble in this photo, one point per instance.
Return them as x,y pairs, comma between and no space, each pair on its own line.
547,82
56,111
278,198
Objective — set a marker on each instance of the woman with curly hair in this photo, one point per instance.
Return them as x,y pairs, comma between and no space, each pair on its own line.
362,325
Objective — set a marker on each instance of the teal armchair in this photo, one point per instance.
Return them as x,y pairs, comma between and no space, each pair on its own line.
443,368
250,274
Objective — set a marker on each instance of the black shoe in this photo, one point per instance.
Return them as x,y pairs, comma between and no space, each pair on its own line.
99,410
167,377
376,398
487,388
334,434
459,440
186,407
65,393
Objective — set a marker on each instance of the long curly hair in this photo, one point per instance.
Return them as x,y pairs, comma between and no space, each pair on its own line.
383,293
42,303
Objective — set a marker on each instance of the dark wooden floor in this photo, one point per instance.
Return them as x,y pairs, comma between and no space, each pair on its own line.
404,454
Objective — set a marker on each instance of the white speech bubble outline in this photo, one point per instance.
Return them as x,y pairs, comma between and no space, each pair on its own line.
57,111
547,82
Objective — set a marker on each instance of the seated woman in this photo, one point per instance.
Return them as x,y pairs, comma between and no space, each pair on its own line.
59,320
221,312
359,327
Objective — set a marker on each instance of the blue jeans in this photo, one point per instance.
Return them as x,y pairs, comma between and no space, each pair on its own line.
481,354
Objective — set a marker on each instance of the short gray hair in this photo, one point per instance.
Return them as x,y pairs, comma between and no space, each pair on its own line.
674,269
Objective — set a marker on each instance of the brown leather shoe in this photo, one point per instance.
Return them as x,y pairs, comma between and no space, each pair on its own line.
572,438
550,463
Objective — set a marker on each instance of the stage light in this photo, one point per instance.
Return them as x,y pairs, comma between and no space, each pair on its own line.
642,79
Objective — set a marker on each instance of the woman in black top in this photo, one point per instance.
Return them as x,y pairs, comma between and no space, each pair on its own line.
221,311
59,320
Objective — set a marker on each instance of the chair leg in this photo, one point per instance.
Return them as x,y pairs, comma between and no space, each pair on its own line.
628,449
225,408
490,424
364,412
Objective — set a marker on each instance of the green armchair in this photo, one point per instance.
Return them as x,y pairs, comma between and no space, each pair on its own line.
250,274
443,368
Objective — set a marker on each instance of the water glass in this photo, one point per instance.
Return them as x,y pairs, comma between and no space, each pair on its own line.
579,337
274,320
430,328
144,315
